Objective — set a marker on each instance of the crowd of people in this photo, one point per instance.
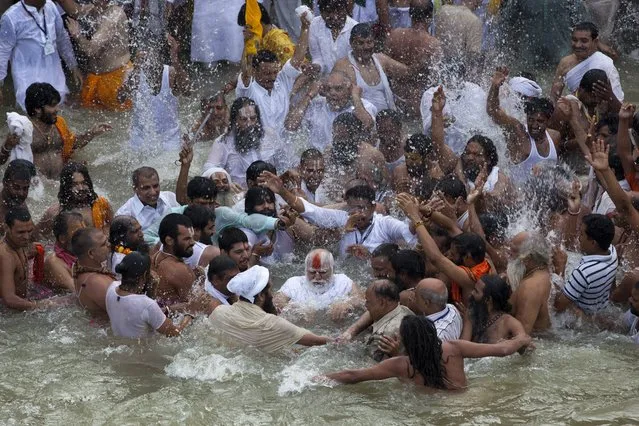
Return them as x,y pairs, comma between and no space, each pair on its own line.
310,158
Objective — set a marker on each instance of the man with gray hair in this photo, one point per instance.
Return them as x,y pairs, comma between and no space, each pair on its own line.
431,296
529,276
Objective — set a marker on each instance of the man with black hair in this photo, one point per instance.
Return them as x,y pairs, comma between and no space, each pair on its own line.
364,229
234,243
391,138
408,268
58,265
125,236
421,162
16,182
269,84
247,140
527,144
585,56
381,261
203,221
329,34
587,290
452,191
488,319
221,270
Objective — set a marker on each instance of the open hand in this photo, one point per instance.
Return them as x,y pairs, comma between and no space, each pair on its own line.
439,100
263,248
270,181
409,206
389,345
598,157
627,111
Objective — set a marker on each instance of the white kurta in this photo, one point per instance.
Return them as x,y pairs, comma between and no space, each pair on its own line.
146,215
215,34
324,50
299,290
22,41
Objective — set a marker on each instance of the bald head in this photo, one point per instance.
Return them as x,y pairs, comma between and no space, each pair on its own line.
85,239
517,241
432,295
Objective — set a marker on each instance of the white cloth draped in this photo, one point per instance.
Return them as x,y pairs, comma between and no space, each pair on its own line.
595,61
21,126
215,34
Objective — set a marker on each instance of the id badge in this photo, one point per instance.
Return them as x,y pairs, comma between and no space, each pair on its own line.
48,47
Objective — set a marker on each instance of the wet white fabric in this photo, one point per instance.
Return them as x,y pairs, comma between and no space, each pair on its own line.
194,260
215,35
113,261
604,204
599,61
146,215
521,172
491,181
632,322
380,94
282,246
22,127
155,124
218,295
448,323
525,87
273,106
249,283
366,13
300,290
134,316
319,119
400,17
324,50
22,42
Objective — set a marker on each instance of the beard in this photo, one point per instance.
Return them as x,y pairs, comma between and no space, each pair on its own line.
140,246
471,171
225,199
81,198
49,118
478,317
248,139
515,272
268,306
183,252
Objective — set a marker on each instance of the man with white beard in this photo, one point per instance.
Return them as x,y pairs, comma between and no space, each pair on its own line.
529,276
321,288
226,190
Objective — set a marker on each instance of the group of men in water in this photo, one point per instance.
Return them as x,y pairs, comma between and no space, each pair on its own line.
432,213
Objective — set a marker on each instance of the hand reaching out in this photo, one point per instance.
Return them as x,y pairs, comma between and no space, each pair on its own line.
598,157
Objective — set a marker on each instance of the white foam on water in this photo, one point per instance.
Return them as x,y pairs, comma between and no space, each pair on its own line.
190,364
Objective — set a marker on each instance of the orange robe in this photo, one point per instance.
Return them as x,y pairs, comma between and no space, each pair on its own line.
100,212
474,273
68,138
101,90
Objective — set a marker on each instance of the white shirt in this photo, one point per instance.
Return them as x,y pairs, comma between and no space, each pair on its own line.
113,261
221,297
273,106
134,316
383,229
448,323
146,215
319,118
224,154
194,260
324,50
22,42
632,322
300,290
282,246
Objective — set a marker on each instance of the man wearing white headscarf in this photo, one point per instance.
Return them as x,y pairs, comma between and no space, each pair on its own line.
252,321
321,288
226,190
525,87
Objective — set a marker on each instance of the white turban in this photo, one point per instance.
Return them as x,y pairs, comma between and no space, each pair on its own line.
426,103
525,87
249,283
210,172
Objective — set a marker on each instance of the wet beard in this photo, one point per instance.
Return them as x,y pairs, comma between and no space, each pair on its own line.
225,199
515,272
80,198
268,306
479,318
471,171
183,253
247,140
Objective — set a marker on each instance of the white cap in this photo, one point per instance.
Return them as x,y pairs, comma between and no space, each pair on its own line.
210,172
525,87
249,283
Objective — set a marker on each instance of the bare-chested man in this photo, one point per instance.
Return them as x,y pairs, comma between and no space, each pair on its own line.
15,252
529,276
421,52
15,185
58,265
53,142
91,278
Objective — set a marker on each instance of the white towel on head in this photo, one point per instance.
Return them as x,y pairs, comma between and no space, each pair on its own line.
208,173
249,283
21,126
425,105
525,87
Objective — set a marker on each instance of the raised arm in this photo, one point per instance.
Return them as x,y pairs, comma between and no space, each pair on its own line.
296,112
558,82
447,157
302,44
186,157
180,83
393,68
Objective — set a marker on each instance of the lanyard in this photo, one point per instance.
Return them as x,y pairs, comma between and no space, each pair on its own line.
365,235
44,17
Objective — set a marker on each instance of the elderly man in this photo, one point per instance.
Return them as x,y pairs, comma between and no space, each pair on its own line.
320,287
529,276
586,56
58,265
431,296
329,33
252,321
90,278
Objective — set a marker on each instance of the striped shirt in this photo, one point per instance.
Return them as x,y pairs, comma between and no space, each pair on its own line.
589,284
448,323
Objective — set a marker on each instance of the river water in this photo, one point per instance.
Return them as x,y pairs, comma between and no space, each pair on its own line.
59,367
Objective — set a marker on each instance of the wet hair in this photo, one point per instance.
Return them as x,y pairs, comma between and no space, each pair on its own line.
264,20
360,31
409,262
494,225
386,250
200,216
609,120
386,289
39,95
19,214
229,237
587,26
65,194
389,114
311,154
120,227
132,267
437,231
421,12
452,186
19,170
330,6
264,56
362,192
591,77
256,196
83,240
142,172
424,349
219,265
498,291
419,143
201,187
470,244
350,121
257,167
62,221
237,105
600,229
490,150
169,227
539,105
